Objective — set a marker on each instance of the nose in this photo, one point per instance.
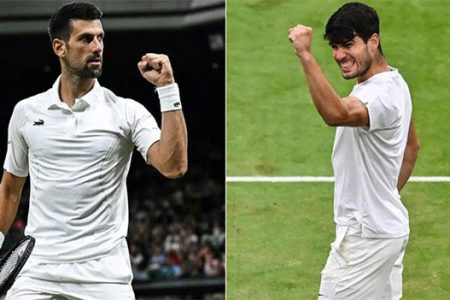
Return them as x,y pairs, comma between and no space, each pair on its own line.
97,45
338,53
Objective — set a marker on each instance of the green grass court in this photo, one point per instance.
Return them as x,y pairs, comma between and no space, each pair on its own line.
278,234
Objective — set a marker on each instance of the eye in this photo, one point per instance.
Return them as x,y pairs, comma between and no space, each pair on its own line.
86,38
348,44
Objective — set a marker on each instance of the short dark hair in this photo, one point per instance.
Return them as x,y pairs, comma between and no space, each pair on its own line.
352,19
60,23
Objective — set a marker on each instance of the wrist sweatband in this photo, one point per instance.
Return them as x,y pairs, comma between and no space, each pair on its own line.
169,97
2,238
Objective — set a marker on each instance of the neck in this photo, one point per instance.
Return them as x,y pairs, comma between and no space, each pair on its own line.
72,87
379,65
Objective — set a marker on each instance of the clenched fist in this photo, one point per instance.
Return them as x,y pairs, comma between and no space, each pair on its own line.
301,38
156,69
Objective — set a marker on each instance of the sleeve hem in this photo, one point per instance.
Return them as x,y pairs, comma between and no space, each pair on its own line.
150,144
16,173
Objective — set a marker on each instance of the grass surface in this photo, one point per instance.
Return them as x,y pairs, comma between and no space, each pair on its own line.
278,235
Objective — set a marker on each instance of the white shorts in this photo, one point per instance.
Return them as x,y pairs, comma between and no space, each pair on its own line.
108,277
363,268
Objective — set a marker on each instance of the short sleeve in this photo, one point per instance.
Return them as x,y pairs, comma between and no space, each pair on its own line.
382,107
383,113
16,161
144,129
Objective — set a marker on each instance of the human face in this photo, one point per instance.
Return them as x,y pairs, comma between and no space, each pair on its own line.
354,58
84,56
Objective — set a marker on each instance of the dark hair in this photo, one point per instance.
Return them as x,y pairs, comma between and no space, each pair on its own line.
60,23
352,19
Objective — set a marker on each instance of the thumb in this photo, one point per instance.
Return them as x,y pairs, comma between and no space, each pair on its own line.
141,66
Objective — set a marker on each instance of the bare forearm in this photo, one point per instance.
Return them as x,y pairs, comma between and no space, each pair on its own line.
410,157
405,173
325,98
8,209
334,110
169,154
172,150
328,103
409,161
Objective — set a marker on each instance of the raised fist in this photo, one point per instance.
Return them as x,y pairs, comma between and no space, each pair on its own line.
156,69
301,38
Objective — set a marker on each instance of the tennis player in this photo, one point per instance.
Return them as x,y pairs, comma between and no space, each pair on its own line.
374,153
75,141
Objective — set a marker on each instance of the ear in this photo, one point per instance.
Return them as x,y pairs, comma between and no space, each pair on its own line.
374,41
59,47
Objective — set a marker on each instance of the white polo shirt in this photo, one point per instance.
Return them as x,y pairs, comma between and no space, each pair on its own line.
78,159
367,161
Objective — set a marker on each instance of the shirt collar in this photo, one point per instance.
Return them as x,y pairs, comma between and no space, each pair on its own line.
386,74
81,103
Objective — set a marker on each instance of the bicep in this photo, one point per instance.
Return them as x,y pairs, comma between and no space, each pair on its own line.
357,113
153,154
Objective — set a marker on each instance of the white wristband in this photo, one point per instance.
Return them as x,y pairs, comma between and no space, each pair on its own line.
169,97
2,238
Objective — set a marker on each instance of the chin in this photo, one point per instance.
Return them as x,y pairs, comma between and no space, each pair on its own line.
87,73
97,74
349,76
95,71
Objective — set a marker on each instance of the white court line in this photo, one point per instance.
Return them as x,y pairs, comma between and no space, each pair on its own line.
321,179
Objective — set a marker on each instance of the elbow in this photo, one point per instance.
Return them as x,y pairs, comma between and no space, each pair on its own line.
334,117
176,171
333,120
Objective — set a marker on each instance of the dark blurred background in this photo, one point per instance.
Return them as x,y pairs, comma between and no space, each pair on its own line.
177,227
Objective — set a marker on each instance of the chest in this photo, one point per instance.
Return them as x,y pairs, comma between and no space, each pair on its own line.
85,135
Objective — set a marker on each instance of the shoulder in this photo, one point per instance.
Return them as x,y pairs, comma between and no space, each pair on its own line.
35,99
32,103
387,85
394,88
399,83
391,82
129,108
111,97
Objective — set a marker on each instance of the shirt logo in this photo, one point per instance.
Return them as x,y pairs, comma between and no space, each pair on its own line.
38,122
177,104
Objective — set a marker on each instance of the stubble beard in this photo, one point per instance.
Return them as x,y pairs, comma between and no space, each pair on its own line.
86,71
364,66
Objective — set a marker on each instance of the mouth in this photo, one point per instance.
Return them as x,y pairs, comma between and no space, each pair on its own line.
95,61
346,65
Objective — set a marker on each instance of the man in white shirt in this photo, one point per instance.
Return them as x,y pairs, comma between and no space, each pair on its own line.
75,141
374,154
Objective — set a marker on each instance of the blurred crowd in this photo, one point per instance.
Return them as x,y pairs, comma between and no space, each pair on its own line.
177,229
